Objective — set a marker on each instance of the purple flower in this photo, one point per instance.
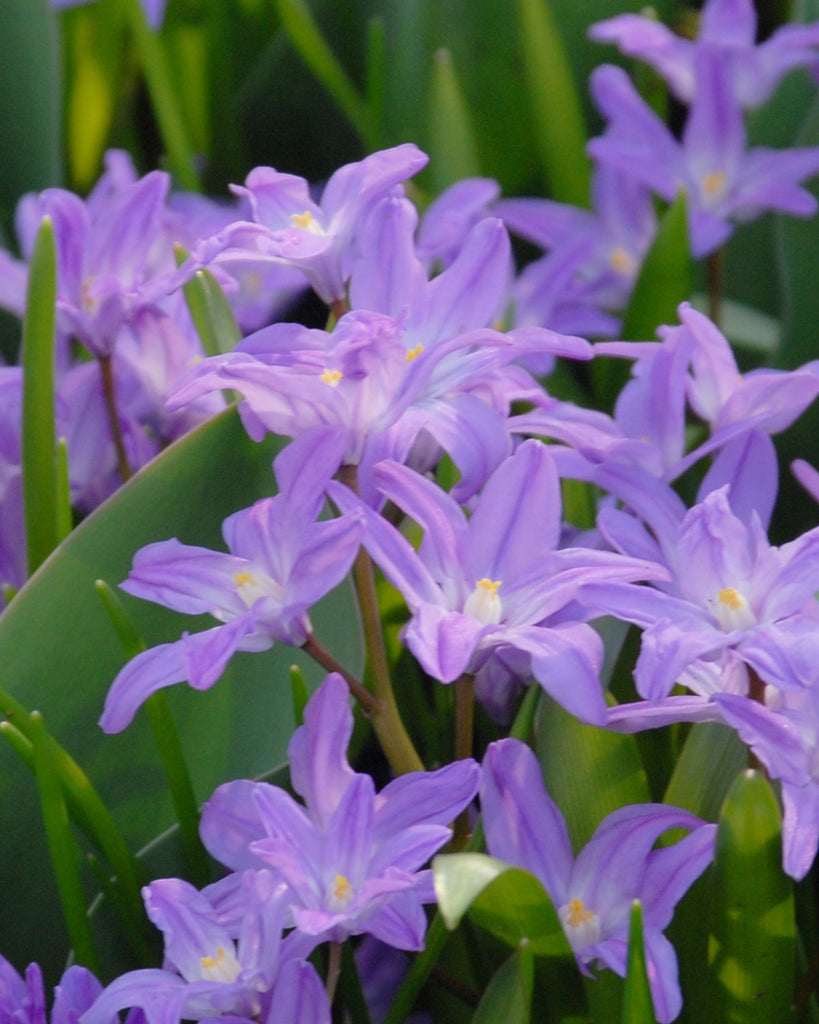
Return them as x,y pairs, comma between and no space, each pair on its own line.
610,240
212,971
281,562
723,181
734,601
593,892
22,1000
351,857
488,587
289,227
727,28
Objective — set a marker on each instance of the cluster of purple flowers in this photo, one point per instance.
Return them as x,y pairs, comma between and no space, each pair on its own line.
422,362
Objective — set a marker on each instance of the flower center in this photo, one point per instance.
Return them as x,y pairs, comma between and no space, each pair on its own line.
222,967
483,603
307,222
331,377
733,611
340,894
413,353
714,185
251,586
622,261
582,926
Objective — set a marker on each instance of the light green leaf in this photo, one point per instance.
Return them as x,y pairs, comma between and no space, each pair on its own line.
589,772
507,901
751,948
452,153
559,128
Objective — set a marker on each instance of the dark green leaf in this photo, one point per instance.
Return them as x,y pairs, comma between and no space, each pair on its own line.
508,997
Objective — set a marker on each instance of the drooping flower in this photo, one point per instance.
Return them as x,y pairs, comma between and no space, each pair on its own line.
593,892
281,562
351,858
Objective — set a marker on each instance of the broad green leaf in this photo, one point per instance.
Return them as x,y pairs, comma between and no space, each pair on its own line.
638,1007
452,153
508,902
559,129
508,996
30,124
751,947
59,654
39,447
589,772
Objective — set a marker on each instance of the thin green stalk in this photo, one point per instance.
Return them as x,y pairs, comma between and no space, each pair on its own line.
386,719
369,704
61,846
464,730
65,520
168,743
39,327
170,120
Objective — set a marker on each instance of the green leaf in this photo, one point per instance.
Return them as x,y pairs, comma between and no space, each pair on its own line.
751,947
59,653
559,128
665,279
314,50
508,902
61,845
30,115
589,772
638,1007
508,996
452,143
711,757
39,446
210,311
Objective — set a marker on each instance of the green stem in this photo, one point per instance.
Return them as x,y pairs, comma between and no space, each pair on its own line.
61,845
386,719
166,107
464,728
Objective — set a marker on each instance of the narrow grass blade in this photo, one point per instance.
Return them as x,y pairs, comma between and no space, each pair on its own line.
39,326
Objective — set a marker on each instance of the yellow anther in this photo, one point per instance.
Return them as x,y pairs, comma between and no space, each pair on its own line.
489,585
577,914
209,962
414,352
714,183
622,261
331,377
244,579
343,890
731,598
303,220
